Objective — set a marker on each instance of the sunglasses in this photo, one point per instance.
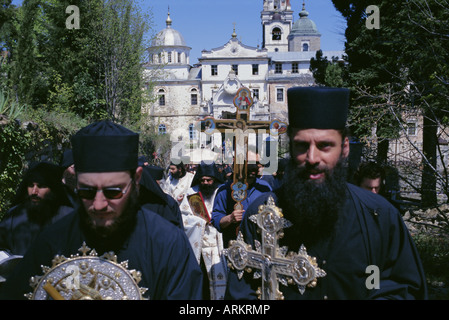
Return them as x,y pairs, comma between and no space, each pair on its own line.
111,193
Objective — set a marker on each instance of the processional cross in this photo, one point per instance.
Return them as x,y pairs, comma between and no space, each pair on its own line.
243,102
274,265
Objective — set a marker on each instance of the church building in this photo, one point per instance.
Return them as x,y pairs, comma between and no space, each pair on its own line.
186,93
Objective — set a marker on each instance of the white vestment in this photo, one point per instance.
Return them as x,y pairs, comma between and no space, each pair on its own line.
207,242
176,187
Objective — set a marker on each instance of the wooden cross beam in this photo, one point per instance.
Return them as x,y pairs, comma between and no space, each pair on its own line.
243,102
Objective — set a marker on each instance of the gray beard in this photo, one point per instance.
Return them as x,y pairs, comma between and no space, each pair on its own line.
313,208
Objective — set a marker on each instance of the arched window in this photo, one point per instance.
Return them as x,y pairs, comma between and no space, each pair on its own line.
192,132
305,47
162,129
193,97
277,34
161,93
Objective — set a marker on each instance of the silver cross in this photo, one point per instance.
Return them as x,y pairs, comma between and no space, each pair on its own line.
272,262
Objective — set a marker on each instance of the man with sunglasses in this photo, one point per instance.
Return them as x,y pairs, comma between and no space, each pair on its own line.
111,218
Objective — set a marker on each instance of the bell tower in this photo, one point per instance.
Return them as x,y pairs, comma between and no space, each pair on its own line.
277,19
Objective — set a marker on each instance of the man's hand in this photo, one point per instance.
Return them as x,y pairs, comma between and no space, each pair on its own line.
235,217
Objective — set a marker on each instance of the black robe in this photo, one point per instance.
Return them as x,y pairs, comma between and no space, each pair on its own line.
155,247
17,232
157,200
370,232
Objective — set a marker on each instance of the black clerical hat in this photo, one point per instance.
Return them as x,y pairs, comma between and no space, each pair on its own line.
317,107
44,173
206,170
156,172
66,159
105,146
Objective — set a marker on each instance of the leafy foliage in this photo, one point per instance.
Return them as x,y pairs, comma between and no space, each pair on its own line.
397,70
328,73
10,108
94,71
434,253
23,141
56,80
14,144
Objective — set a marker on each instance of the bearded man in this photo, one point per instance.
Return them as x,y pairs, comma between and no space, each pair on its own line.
346,228
40,201
206,241
177,182
110,218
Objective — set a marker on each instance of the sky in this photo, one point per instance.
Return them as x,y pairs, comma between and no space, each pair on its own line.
208,24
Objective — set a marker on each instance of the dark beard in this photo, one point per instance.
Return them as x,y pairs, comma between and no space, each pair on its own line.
208,190
177,175
109,238
42,211
313,208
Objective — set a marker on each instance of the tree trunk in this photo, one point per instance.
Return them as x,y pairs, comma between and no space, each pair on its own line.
382,152
429,180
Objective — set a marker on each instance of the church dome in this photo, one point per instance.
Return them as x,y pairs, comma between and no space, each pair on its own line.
304,26
169,36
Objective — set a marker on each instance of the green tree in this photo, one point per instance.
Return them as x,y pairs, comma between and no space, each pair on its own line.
397,69
328,73
14,143
117,47
334,75
318,66
98,67
8,39
29,80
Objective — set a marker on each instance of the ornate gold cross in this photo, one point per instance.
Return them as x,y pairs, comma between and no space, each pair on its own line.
272,262
240,122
